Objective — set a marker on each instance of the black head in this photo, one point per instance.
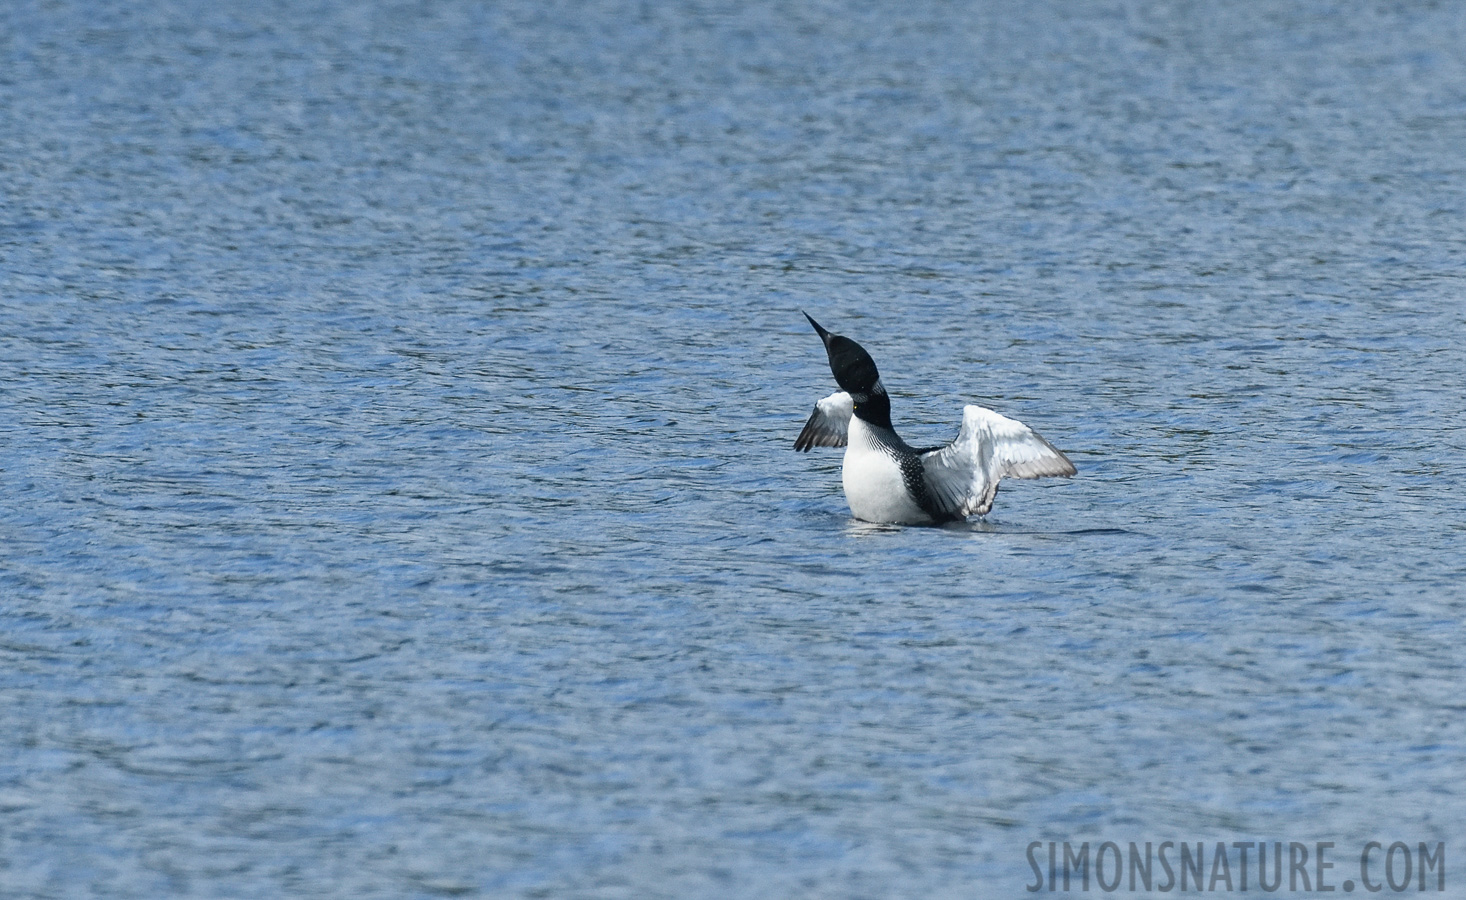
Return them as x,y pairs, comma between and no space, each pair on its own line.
853,368
856,374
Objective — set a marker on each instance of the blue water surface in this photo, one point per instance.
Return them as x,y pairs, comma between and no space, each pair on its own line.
396,493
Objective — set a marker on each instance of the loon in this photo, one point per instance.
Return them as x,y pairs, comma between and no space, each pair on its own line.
887,480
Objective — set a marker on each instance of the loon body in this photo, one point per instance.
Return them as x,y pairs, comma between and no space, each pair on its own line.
886,479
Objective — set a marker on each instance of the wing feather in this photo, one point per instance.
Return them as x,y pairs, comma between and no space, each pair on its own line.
962,477
829,424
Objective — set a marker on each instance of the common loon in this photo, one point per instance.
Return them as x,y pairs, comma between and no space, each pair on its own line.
887,480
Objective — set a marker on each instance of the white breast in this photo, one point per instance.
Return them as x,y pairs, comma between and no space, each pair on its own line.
874,487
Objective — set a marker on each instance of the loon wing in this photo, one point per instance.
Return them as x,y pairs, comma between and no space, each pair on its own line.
828,425
962,477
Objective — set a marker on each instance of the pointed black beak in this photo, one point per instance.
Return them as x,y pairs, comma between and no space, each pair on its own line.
824,335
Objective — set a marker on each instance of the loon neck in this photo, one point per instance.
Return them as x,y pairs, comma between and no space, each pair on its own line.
875,409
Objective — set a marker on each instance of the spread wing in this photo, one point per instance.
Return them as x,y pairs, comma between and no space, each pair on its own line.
962,477
829,424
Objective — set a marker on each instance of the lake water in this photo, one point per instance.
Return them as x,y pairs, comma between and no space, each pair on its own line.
396,493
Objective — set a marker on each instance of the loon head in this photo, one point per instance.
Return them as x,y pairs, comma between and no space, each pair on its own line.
853,368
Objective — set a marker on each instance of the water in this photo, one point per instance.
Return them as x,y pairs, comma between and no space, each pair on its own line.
397,404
